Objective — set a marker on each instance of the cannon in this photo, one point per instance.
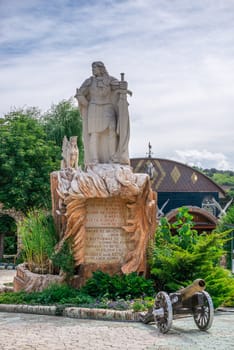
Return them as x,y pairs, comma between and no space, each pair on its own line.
192,300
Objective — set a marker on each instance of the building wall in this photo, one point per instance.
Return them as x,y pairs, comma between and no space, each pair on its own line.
179,199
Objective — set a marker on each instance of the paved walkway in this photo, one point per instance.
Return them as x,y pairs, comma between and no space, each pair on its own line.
37,332
24,331
7,276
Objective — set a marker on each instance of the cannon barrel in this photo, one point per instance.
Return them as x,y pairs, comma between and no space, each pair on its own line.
197,286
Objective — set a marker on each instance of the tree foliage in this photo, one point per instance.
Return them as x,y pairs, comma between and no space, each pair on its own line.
62,120
223,178
26,160
30,149
8,229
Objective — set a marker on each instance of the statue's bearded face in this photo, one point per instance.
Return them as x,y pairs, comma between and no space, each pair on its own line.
97,70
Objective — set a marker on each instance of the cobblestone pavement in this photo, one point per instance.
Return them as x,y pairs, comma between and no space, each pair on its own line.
7,276
37,332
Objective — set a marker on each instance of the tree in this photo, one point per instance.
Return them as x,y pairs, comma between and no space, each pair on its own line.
223,178
62,120
8,237
26,160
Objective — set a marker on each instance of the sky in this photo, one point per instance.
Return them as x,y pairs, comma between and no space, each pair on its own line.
177,56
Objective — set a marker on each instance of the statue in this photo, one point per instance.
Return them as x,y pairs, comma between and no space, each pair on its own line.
70,153
104,108
106,210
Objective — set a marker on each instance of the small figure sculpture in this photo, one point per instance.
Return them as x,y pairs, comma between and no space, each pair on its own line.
70,153
150,170
104,109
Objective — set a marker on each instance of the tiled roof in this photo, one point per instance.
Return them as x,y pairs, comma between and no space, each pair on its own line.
172,176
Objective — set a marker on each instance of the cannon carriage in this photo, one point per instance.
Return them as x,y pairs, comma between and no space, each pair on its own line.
192,300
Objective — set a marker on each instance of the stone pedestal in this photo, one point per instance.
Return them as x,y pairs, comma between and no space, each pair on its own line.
109,213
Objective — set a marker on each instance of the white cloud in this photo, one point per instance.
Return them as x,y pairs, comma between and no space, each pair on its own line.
198,158
178,58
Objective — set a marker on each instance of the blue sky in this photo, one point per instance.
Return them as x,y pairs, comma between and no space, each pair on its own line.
177,55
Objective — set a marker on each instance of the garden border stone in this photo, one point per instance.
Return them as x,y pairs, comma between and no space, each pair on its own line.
29,309
73,312
101,314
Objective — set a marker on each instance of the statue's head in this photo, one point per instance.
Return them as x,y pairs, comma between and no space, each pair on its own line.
99,68
73,140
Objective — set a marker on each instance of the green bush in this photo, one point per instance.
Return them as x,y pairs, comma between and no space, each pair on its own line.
143,304
178,259
64,259
118,286
38,236
10,245
12,298
226,222
220,284
8,230
54,294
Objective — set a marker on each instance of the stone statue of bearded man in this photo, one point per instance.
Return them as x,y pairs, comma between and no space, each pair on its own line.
104,110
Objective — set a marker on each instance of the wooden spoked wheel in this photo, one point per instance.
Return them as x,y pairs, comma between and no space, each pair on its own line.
162,312
203,314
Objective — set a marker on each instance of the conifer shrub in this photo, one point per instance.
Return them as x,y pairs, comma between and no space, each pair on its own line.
181,255
226,222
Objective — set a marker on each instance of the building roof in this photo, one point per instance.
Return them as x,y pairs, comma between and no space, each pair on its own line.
171,176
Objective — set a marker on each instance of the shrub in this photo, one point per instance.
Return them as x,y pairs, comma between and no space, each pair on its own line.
64,259
220,284
118,286
54,294
10,245
178,259
143,304
12,298
226,222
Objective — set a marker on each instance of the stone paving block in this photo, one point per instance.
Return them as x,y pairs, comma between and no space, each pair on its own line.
18,331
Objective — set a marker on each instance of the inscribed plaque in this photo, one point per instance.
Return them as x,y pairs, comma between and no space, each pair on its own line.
106,241
109,212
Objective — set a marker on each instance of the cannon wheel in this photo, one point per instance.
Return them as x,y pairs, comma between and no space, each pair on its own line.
204,314
162,312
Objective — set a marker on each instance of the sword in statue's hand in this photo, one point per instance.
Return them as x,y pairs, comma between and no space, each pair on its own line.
124,84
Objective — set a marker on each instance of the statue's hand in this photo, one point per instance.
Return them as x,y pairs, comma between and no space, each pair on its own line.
123,85
129,92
